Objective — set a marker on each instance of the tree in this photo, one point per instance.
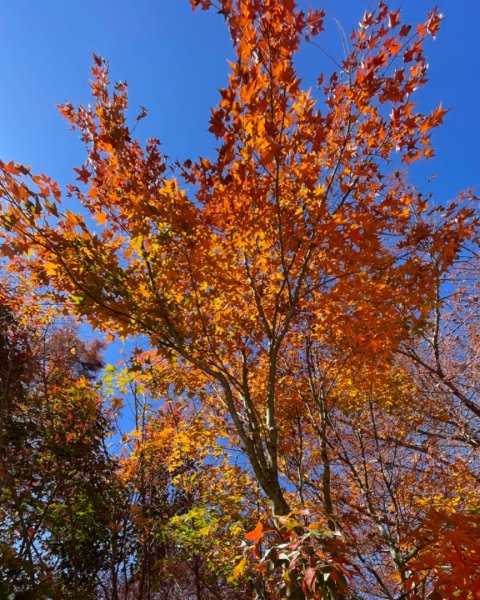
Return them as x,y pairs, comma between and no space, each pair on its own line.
189,504
56,475
286,274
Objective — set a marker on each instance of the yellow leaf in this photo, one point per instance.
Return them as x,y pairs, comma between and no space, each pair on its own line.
137,242
71,218
50,268
239,569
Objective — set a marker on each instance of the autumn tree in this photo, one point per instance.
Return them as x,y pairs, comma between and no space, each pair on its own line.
287,274
56,476
189,504
163,518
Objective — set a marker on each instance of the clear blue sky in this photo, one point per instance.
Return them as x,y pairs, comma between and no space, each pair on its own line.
175,60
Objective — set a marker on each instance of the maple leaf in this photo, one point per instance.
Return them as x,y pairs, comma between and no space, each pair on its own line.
256,534
393,19
436,117
217,126
101,218
433,23
83,174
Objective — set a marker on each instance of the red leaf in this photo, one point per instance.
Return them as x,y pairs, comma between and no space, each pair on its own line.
83,174
404,31
393,18
433,23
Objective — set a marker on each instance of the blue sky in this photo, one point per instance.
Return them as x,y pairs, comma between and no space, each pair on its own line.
175,60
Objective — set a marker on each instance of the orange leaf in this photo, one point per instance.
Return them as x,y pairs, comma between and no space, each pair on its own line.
101,218
256,534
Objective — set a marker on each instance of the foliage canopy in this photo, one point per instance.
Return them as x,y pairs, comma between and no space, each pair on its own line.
300,295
